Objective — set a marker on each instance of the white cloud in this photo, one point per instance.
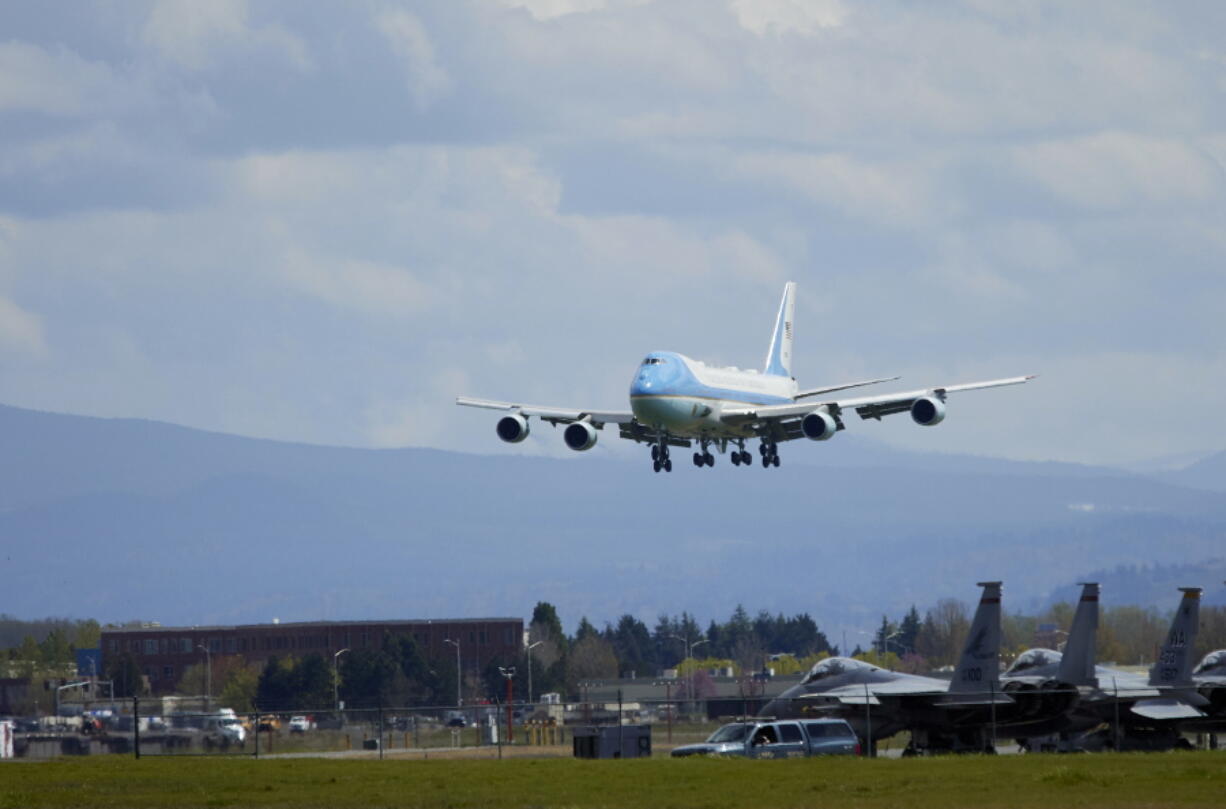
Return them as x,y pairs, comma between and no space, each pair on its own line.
552,9
788,16
426,79
1119,170
199,35
20,331
56,81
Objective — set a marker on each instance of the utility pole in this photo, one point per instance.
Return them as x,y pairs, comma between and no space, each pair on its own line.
509,673
336,687
459,694
208,675
531,646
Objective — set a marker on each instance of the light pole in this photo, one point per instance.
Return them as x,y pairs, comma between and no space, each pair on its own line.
668,705
531,646
336,682
459,698
208,675
689,649
509,673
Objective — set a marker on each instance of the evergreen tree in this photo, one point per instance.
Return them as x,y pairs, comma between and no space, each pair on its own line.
585,630
908,631
632,645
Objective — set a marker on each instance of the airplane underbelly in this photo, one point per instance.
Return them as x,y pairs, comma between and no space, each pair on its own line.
680,415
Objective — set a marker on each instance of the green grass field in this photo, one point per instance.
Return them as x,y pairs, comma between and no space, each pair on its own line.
1050,782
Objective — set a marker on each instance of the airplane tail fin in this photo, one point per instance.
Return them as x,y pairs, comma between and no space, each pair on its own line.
779,357
1174,663
979,667
1077,664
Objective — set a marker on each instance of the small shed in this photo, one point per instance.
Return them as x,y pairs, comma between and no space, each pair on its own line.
612,741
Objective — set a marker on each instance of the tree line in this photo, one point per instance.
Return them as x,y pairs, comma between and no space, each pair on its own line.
399,673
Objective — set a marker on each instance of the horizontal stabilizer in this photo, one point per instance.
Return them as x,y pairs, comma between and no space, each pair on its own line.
1165,709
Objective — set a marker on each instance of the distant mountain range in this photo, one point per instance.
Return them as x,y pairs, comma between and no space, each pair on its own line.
118,519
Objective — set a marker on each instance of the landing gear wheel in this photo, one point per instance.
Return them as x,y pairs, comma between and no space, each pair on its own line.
746,458
655,452
708,459
736,459
698,460
762,448
775,460
668,465
655,465
766,461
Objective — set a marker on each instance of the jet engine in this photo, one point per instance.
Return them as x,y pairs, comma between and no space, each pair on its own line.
818,426
1025,697
1057,698
1216,694
928,411
512,428
579,436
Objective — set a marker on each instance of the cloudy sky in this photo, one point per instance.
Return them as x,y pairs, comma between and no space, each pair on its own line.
321,221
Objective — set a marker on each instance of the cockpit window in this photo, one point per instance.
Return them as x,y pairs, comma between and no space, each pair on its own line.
1211,661
834,665
654,361
1032,659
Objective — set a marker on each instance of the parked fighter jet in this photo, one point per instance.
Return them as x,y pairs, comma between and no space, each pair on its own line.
1139,712
1210,679
941,715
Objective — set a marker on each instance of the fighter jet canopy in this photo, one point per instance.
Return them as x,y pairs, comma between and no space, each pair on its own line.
1033,659
832,666
1211,661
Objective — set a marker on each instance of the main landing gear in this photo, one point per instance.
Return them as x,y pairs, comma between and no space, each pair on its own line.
740,455
660,459
704,458
769,451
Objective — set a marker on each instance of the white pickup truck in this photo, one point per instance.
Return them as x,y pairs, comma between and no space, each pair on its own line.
223,730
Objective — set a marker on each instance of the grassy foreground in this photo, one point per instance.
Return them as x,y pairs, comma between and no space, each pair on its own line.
1124,780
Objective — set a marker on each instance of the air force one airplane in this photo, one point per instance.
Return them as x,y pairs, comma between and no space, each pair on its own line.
676,401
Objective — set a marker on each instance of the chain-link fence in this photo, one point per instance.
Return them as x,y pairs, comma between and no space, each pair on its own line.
153,727
198,727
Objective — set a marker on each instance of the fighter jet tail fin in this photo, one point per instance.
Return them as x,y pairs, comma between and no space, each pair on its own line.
1077,664
979,667
1174,663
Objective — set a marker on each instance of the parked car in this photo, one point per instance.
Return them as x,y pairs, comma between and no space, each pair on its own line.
299,724
457,722
778,739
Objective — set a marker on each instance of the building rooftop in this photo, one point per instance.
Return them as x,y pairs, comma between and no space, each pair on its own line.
309,624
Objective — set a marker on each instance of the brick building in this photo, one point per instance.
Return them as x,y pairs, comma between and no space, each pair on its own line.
163,653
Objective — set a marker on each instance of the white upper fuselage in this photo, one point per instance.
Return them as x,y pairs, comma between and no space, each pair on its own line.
685,397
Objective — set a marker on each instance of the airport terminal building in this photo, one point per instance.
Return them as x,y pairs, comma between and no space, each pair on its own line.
163,653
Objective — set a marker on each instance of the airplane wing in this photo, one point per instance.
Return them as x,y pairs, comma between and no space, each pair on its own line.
624,419
553,415
785,419
858,695
805,394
